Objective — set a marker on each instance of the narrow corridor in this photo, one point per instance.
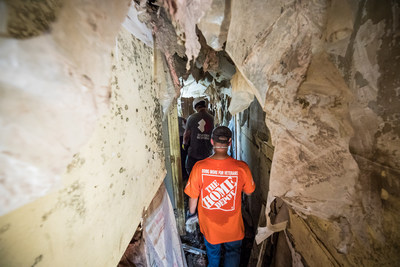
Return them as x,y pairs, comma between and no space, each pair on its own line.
91,96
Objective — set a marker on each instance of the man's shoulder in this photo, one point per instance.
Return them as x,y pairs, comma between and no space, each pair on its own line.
191,119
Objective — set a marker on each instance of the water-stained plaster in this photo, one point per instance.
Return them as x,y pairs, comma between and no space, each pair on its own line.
31,18
333,118
54,85
367,42
91,219
215,23
186,15
375,117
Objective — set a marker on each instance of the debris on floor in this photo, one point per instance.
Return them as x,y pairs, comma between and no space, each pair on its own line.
193,245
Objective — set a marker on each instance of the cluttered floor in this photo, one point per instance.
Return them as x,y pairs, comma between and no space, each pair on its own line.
193,245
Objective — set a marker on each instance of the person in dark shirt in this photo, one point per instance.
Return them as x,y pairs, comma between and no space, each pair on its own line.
197,135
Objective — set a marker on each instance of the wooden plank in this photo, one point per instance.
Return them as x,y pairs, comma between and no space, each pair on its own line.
258,251
308,244
176,169
187,106
261,254
261,222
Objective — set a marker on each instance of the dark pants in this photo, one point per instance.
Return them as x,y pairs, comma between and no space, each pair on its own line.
232,253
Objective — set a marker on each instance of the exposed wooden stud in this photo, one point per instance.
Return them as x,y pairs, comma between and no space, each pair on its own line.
262,246
176,169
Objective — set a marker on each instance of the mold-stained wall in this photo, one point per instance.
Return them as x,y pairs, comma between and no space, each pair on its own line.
107,185
328,71
54,84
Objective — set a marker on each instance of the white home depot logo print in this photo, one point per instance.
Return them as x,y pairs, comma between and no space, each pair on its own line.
202,123
219,192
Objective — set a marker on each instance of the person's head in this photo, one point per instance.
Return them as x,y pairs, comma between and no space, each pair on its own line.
199,103
221,138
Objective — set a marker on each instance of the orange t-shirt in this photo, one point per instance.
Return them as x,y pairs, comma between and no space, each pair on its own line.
218,184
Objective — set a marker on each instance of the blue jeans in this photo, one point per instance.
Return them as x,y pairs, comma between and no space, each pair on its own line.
232,253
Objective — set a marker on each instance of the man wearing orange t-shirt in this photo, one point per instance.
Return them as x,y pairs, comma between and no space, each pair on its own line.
214,187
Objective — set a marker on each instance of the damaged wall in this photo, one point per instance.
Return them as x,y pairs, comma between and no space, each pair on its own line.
325,73
53,89
90,220
328,72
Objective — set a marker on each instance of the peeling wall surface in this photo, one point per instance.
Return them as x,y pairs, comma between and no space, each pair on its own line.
107,184
53,89
327,75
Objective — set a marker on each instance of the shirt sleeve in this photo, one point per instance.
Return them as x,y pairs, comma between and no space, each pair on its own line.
193,186
249,185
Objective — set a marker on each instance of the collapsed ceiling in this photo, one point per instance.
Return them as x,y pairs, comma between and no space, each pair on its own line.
178,46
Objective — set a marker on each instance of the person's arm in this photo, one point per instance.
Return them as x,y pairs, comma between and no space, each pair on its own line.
193,205
186,137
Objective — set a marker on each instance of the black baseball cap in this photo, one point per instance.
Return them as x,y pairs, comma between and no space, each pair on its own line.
221,134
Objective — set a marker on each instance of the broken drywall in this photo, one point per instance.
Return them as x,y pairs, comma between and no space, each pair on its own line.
163,244
374,79
315,144
268,20
185,15
215,23
90,220
309,125
242,94
164,82
330,85
53,87
136,27
339,26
